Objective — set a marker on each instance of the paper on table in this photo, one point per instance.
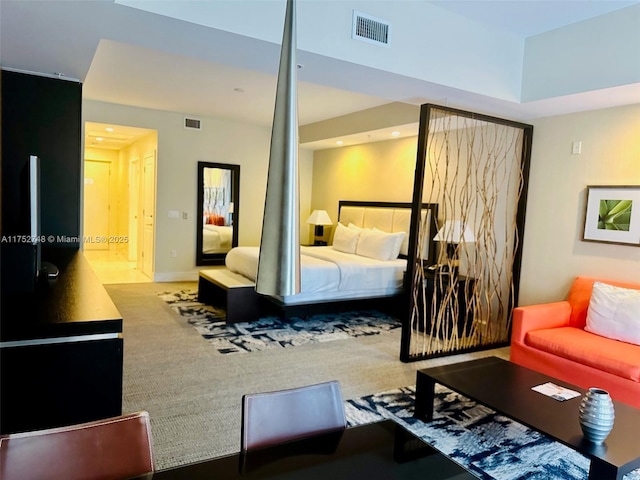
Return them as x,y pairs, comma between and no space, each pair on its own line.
555,391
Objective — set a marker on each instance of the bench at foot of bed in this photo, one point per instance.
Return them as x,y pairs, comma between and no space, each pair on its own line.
235,293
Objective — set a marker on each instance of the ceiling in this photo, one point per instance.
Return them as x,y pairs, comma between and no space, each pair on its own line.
143,67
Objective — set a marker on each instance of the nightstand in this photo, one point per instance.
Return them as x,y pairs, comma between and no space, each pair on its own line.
463,289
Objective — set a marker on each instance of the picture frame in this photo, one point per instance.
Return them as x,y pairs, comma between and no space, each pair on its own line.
612,214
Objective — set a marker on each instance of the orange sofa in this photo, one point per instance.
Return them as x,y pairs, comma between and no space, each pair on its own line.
550,338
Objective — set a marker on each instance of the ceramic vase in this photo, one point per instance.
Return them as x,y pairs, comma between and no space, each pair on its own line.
596,415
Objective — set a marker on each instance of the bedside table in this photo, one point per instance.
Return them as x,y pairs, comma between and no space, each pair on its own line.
463,290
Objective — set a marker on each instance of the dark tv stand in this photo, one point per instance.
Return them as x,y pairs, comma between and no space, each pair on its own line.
61,350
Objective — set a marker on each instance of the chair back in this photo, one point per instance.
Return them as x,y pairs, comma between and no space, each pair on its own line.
112,449
273,418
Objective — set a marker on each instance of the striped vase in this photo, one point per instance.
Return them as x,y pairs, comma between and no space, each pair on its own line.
596,415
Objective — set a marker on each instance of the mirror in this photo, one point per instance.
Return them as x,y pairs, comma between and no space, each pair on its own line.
218,207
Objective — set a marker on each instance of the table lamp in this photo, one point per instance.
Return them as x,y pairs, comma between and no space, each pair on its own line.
454,232
319,218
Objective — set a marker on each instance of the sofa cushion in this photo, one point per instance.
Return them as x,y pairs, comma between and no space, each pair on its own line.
580,294
619,358
614,312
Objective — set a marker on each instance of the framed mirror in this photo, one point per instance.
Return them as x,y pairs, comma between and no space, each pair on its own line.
218,208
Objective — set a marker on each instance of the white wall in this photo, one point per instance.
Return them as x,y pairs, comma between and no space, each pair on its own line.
553,250
179,151
597,53
422,39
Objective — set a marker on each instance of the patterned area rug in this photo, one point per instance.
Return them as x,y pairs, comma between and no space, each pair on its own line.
487,444
273,332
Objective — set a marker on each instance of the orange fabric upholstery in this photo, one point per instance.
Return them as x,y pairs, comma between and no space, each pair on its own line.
619,358
111,449
551,339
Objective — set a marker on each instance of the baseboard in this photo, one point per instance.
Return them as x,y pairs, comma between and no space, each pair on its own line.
160,277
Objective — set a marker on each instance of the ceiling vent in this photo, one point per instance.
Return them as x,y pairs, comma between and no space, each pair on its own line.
192,124
370,29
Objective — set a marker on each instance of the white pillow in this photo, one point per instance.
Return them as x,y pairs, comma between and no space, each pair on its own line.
614,312
355,227
345,239
378,245
399,236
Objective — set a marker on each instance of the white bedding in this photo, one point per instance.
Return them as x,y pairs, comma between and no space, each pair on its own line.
216,239
327,274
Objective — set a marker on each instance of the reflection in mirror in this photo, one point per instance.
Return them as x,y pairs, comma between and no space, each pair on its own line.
218,205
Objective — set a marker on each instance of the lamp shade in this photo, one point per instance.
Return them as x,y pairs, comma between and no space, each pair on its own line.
319,217
454,231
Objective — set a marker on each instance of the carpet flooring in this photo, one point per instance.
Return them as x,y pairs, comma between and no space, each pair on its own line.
193,394
273,332
487,444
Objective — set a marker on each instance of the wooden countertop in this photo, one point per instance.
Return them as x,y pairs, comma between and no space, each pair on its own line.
75,303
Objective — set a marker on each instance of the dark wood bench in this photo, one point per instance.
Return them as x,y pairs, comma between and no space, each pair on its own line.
235,293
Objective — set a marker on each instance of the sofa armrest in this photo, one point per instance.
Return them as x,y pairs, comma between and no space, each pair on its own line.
539,317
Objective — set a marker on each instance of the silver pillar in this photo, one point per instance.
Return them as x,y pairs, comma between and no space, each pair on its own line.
279,264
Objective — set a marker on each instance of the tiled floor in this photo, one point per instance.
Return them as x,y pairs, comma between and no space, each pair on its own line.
112,267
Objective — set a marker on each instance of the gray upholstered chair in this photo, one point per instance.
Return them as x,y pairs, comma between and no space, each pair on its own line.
111,449
304,420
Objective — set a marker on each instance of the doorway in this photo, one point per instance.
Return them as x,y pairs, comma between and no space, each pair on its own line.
119,201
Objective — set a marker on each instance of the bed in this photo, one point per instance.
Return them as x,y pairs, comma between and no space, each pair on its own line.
216,238
334,275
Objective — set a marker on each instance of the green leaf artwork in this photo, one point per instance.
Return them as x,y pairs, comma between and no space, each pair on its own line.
615,215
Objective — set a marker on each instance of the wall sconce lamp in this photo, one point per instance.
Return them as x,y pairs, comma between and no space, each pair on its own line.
319,218
454,232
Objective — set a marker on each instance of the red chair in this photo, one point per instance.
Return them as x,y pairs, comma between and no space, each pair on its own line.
111,449
304,420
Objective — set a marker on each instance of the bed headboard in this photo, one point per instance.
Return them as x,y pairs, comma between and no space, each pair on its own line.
391,217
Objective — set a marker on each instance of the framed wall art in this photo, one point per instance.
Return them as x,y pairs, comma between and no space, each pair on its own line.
613,214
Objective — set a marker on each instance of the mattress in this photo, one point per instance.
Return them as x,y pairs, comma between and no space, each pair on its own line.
327,274
216,238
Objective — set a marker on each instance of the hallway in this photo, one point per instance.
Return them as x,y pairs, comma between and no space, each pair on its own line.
112,267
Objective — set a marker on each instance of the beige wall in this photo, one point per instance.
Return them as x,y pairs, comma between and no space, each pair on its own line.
380,171
179,151
553,252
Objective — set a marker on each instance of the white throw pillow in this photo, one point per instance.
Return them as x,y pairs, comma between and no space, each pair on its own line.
376,245
345,239
399,236
614,312
355,227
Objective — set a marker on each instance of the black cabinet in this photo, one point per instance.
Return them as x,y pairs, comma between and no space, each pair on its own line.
61,345
61,351
41,116
447,297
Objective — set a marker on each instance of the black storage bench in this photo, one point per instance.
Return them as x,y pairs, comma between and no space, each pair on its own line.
235,293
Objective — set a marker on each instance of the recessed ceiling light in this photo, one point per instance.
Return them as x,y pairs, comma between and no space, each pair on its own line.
339,142
109,129
395,133
99,139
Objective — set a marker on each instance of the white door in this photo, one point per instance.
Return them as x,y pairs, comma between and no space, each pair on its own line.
149,203
134,208
96,205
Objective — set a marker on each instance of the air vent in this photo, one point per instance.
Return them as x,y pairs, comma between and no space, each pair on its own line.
370,29
192,124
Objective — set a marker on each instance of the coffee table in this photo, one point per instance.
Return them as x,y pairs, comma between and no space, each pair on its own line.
506,388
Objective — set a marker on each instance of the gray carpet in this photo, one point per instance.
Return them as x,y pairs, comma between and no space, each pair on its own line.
193,396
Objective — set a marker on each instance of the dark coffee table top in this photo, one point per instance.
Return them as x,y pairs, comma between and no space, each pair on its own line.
506,388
